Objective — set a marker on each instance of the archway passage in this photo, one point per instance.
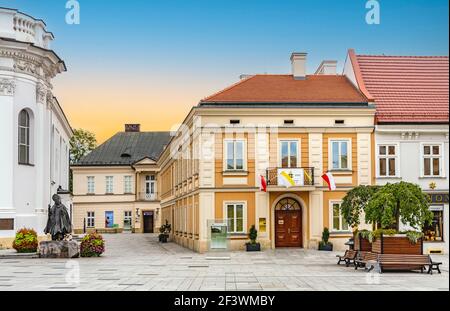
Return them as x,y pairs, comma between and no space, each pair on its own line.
288,223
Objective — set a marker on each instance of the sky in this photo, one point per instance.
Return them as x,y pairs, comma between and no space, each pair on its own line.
150,61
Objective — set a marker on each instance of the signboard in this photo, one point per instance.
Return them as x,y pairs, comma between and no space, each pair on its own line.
437,198
262,225
291,177
218,236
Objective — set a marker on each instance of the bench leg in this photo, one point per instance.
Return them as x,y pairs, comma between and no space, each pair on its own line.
430,269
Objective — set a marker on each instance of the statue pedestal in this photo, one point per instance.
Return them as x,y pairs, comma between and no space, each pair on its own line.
59,249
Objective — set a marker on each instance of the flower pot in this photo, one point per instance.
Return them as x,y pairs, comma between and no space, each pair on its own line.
325,247
253,247
163,238
397,244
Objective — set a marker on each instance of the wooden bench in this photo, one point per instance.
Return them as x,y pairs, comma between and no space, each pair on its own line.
365,257
406,262
349,257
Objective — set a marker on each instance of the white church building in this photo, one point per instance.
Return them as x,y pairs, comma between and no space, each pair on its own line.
34,132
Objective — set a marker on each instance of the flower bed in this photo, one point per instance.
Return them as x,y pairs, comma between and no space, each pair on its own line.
92,245
25,241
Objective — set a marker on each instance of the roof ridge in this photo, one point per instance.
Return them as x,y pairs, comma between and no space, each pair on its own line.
403,56
228,88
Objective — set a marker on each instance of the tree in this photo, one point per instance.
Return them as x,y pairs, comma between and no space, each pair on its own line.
355,202
81,143
403,201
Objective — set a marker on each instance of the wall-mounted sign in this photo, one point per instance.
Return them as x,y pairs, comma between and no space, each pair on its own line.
441,198
290,177
262,225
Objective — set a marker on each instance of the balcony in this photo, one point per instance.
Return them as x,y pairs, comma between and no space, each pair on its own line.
299,178
144,196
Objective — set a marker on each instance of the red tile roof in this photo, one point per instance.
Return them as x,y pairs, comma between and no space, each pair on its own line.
409,89
285,89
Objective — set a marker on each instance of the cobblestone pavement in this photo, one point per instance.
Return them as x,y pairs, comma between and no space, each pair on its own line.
139,262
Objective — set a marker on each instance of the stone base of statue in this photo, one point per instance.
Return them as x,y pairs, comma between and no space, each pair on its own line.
59,249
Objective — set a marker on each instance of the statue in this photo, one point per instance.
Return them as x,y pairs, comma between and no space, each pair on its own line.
58,223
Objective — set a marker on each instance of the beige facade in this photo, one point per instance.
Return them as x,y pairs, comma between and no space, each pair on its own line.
197,187
120,191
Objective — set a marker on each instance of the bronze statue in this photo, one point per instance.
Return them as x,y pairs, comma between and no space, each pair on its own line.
58,223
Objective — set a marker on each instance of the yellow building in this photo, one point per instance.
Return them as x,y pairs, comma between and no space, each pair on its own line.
115,186
268,125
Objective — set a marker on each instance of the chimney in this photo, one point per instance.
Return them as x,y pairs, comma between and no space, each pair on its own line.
298,61
132,127
327,67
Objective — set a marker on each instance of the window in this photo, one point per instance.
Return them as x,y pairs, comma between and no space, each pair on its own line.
90,220
234,151
91,184
235,121
338,221
387,160
434,231
235,217
109,184
127,184
24,137
127,220
340,154
289,153
432,160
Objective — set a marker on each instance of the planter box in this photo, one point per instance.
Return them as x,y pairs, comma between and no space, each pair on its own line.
362,244
253,247
328,247
397,244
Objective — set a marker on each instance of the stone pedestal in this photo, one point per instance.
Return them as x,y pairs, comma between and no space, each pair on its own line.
59,249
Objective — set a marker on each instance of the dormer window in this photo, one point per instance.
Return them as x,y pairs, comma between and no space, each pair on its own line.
339,122
288,122
234,122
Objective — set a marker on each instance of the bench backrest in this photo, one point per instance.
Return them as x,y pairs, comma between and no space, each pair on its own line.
370,256
351,253
421,259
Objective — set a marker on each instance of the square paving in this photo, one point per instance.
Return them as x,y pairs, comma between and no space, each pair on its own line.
138,262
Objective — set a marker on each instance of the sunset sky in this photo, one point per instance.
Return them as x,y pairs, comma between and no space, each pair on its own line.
149,62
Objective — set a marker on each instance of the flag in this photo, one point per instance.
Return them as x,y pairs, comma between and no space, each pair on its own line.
329,179
286,180
263,184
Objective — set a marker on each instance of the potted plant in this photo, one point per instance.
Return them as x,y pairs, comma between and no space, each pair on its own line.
164,232
25,241
325,245
253,246
92,245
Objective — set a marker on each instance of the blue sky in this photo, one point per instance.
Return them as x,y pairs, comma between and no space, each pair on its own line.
197,47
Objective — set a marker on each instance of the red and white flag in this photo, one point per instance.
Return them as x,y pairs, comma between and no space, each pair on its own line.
329,179
263,186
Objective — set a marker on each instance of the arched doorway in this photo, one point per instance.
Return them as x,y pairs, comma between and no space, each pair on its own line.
288,223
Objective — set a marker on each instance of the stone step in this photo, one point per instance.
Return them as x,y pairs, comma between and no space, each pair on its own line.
12,254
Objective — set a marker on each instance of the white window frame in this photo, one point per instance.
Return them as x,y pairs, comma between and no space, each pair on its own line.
127,184
90,184
441,159
280,158
331,217
225,153
244,215
90,217
349,157
397,160
107,186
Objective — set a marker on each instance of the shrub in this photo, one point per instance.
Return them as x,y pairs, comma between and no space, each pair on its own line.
25,241
92,245
325,238
253,234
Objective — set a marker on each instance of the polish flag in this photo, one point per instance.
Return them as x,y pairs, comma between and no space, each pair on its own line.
263,184
329,179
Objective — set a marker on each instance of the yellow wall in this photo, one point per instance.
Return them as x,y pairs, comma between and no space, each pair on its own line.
354,167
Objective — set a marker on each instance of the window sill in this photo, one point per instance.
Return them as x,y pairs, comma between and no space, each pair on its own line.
432,177
26,164
434,242
340,172
235,173
237,235
340,232
109,193
388,177
90,194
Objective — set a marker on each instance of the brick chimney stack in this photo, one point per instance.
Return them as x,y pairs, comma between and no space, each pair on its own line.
132,127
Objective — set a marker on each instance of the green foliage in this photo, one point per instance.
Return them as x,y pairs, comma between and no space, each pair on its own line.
325,236
401,201
81,143
25,241
366,234
414,236
92,245
355,202
377,233
253,234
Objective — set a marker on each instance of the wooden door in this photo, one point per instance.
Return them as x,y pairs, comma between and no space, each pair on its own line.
148,222
288,228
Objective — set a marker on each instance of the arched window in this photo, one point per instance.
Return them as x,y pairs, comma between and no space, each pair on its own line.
24,137
287,204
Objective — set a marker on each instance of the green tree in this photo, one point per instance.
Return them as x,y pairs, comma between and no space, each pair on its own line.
81,143
355,202
397,202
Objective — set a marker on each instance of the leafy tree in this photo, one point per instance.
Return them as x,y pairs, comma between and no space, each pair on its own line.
397,202
355,202
81,143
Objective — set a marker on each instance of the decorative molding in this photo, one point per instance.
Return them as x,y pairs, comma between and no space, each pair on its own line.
41,93
7,87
